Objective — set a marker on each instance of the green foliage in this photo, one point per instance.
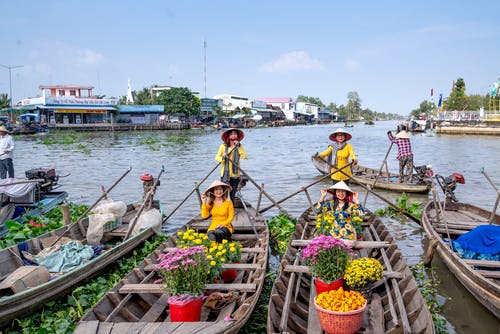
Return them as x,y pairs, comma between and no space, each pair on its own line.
353,105
414,207
62,315
428,288
281,228
258,320
426,109
179,101
309,99
4,101
38,225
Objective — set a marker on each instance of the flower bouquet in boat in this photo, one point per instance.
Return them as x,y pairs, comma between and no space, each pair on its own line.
184,272
217,253
360,274
327,258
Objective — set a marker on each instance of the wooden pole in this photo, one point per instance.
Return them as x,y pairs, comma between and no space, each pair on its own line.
379,172
335,170
150,193
495,207
92,206
194,189
66,214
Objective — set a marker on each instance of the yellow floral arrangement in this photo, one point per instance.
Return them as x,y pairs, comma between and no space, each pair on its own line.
217,253
340,300
363,272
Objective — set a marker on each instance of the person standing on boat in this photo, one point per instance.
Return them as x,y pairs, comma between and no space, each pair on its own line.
405,154
216,204
340,152
341,216
6,153
229,154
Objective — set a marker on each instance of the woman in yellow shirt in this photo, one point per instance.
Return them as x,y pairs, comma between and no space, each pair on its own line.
216,204
231,151
338,155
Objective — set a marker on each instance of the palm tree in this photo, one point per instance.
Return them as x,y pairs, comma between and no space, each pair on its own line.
4,101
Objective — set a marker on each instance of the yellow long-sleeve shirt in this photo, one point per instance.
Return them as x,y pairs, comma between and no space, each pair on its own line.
218,158
221,214
343,156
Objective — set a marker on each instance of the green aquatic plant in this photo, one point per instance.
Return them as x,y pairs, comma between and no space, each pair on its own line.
428,288
281,228
62,315
413,207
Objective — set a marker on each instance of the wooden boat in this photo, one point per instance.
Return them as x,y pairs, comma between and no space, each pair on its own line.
396,306
29,197
138,304
480,277
386,181
24,288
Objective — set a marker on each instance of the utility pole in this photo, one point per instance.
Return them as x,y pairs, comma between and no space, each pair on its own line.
205,64
10,67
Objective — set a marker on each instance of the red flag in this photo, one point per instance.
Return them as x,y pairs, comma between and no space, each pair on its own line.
432,92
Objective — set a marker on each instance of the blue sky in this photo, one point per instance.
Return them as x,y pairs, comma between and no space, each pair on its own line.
391,52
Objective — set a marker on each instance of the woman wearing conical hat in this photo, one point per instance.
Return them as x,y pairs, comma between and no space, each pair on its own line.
342,215
216,204
338,155
229,154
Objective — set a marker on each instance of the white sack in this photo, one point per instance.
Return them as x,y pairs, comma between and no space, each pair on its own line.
96,227
151,218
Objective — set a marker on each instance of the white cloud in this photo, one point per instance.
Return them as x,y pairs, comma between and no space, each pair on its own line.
88,57
352,65
292,61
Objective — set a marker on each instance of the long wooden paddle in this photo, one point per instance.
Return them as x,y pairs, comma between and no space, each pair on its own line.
379,172
407,214
494,211
105,193
335,170
197,186
143,205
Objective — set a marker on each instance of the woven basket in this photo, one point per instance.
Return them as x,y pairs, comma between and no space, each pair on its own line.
340,322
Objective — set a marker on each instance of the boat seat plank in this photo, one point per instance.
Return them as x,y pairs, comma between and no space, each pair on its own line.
156,310
305,269
352,243
482,263
120,231
252,250
313,326
86,327
474,216
158,288
489,273
236,266
450,231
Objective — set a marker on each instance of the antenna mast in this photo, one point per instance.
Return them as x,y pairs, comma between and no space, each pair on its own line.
205,64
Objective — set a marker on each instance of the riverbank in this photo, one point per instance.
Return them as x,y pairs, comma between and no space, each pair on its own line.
468,127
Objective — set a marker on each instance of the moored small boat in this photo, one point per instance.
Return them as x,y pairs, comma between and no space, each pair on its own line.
139,304
396,306
386,180
443,221
26,283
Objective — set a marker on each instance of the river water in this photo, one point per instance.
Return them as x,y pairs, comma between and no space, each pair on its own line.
278,158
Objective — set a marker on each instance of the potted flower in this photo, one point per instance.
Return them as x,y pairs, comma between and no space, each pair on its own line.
327,258
363,272
185,272
217,253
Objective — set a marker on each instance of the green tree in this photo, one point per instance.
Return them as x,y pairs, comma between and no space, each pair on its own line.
142,97
309,99
353,105
457,99
426,109
4,101
179,100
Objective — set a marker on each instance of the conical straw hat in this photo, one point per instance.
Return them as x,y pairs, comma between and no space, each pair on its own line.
217,184
339,185
333,135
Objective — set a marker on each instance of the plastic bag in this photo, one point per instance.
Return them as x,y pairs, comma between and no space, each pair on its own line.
96,227
151,218
108,206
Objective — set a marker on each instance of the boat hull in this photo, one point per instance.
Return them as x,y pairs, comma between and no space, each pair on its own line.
483,284
387,181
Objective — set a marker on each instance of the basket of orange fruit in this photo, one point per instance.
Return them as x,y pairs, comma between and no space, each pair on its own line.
340,311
